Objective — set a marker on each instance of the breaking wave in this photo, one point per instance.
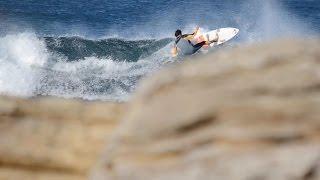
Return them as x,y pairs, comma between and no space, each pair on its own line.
74,67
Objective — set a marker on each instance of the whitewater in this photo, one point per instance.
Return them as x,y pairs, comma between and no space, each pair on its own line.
110,66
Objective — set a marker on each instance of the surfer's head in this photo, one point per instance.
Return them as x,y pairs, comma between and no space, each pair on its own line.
178,33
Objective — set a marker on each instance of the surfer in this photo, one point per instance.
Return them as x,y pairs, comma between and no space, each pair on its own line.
184,45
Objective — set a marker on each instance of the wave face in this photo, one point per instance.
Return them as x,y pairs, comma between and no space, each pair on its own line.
75,48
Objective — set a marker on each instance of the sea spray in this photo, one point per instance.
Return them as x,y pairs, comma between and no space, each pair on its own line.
19,54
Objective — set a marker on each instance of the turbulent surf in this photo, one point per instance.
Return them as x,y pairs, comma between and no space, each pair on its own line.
75,67
100,50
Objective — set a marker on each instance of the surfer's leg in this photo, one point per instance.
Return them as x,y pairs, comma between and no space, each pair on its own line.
198,46
216,39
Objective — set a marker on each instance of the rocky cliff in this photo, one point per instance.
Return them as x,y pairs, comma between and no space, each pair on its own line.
248,113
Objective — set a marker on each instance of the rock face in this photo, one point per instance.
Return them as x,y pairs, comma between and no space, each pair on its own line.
247,114
244,114
52,138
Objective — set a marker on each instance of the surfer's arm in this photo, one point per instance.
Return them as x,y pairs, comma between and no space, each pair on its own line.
191,36
174,51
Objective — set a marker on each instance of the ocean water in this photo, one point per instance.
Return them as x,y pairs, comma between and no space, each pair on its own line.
100,49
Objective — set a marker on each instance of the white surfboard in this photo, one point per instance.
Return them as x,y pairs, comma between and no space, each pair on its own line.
222,35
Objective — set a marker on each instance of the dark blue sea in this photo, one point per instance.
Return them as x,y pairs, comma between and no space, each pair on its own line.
100,49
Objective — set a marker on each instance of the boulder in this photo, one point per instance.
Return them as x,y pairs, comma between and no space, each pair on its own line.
249,113
50,138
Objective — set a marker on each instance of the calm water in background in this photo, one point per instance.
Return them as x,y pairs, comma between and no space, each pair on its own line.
100,49
136,17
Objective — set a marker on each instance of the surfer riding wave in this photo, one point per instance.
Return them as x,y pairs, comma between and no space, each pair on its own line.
183,45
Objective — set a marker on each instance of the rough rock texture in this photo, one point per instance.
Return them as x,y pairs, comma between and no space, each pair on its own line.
47,138
247,114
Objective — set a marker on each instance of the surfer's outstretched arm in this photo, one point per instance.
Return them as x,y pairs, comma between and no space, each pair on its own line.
174,51
191,36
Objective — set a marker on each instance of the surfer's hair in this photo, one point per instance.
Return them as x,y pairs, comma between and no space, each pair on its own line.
178,33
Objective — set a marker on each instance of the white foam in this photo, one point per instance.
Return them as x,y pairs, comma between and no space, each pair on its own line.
18,54
96,70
